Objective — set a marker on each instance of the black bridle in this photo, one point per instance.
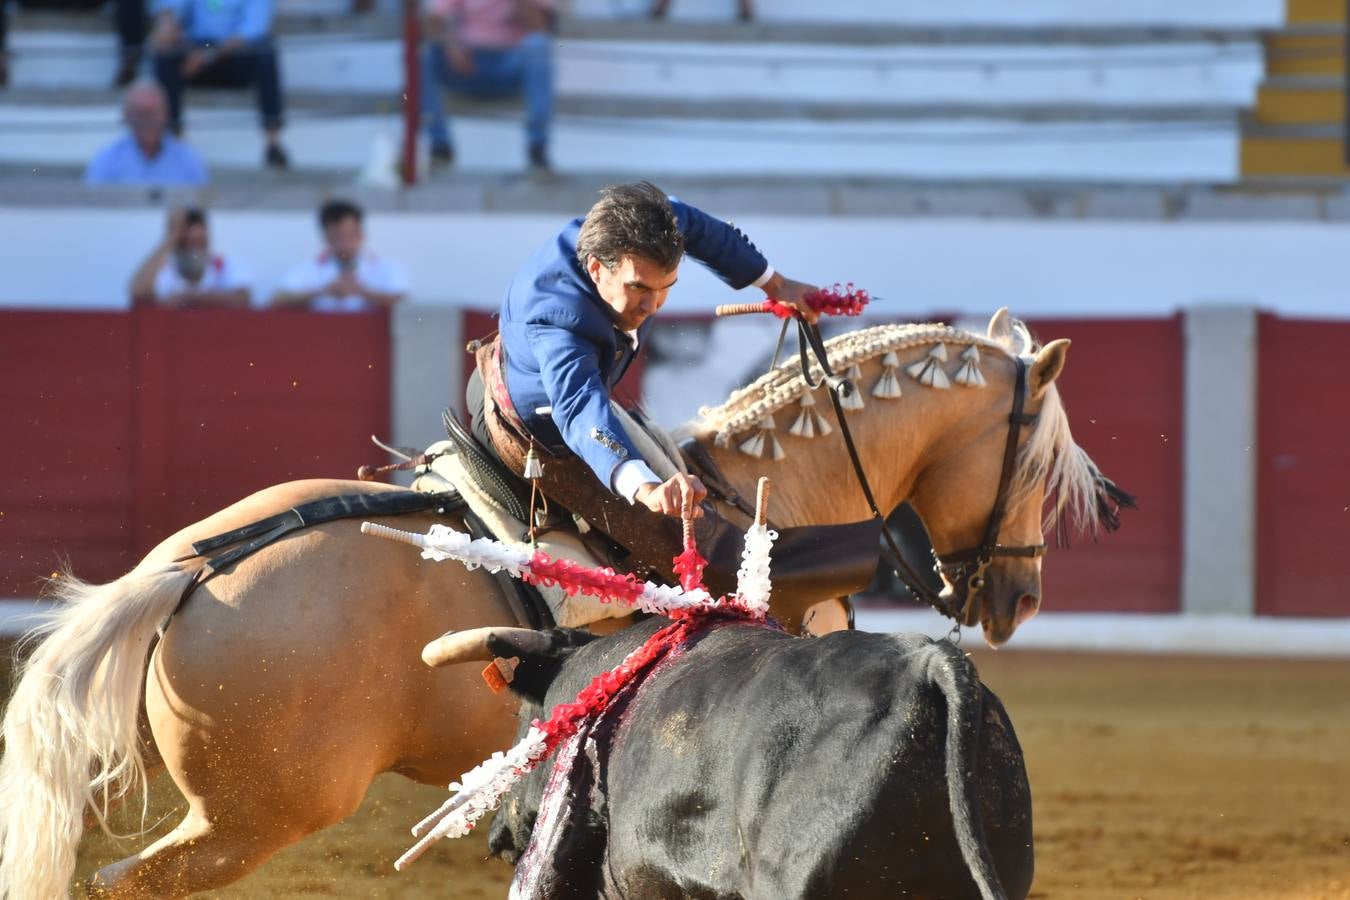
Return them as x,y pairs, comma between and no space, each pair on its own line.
963,569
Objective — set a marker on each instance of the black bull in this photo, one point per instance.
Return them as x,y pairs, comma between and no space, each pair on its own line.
758,765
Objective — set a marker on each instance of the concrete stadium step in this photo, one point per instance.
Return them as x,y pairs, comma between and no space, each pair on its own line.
1024,13
327,103
879,33
1179,74
622,146
1300,100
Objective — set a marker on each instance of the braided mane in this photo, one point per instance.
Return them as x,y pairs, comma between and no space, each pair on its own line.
784,385
1049,458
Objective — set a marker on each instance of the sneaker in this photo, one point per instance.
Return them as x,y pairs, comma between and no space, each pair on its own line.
275,158
442,157
539,159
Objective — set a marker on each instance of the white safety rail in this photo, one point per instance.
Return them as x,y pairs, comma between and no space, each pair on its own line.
1086,632
1133,633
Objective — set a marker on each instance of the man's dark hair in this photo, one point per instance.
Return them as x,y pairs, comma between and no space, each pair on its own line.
335,211
631,220
194,215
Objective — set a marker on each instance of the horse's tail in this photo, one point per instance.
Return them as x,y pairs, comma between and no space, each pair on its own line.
71,737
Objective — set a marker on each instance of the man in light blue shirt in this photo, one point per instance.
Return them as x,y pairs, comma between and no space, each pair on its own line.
220,43
147,154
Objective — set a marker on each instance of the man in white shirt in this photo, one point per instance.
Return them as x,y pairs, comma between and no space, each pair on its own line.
343,278
182,271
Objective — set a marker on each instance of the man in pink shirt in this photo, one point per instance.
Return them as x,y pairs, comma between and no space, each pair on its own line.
489,48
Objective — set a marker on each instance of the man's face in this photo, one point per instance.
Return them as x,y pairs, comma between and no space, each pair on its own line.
193,252
146,117
634,289
344,238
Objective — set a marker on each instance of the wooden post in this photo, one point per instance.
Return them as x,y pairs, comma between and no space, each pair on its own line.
412,89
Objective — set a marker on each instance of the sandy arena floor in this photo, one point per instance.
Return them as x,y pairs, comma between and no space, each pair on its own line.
1152,778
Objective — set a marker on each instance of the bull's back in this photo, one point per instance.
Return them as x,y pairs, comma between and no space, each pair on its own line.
758,765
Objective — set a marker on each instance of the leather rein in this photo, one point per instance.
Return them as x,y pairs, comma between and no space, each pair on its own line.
964,569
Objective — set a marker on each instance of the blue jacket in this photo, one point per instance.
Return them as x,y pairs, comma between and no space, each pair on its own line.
563,351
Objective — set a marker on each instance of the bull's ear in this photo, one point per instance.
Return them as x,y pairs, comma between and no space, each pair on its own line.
1047,366
541,655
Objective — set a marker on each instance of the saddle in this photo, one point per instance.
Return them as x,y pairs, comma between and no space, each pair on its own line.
811,563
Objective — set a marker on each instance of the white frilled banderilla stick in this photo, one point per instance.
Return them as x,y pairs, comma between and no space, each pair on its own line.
480,789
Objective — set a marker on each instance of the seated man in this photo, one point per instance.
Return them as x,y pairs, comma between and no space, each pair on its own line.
489,48
131,25
220,43
571,323
344,277
182,272
147,154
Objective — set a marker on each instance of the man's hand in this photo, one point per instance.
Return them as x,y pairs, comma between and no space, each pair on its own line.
460,57
168,33
197,60
174,228
346,285
668,498
793,293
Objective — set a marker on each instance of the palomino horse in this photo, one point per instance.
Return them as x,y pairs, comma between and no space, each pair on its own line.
277,693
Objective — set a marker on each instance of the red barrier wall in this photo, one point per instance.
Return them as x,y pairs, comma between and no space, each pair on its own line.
1123,387
128,426
1303,468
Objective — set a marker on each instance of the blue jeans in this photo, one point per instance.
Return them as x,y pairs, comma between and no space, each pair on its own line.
526,68
253,64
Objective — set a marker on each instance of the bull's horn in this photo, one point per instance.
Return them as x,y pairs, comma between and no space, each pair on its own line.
466,646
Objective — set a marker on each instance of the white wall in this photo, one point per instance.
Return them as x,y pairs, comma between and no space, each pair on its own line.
83,258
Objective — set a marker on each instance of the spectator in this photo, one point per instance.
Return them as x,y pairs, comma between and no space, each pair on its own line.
182,271
147,153
744,9
131,24
220,43
343,278
489,48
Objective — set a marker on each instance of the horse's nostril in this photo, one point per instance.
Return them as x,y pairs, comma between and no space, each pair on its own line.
1027,607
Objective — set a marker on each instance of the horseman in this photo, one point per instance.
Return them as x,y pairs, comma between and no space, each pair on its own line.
571,323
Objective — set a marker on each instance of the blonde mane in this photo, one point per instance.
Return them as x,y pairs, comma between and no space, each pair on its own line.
1049,457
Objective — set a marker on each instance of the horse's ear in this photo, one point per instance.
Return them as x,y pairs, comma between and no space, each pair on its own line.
1048,364
1000,326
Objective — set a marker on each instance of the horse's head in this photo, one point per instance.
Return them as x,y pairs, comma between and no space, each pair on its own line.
957,494
934,430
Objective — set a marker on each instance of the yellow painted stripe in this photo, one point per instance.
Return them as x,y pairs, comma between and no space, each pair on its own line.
1299,106
1309,11
1268,156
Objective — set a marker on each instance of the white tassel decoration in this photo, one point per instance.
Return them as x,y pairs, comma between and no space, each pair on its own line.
753,585
853,401
888,387
809,423
928,371
969,374
762,440
534,469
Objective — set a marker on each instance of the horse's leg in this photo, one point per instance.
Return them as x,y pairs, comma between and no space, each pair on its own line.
280,691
